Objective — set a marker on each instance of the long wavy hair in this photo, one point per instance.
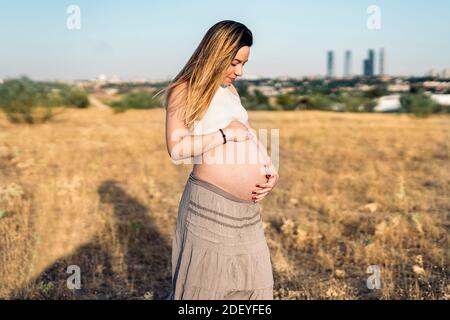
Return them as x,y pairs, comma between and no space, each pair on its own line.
207,67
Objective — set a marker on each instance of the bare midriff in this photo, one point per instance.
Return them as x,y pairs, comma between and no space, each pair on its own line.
235,167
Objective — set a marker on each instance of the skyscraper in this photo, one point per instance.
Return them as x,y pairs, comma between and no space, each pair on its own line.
348,63
382,61
369,64
372,62
366,70
330,64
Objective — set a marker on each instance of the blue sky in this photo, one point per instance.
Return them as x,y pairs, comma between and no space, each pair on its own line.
154,39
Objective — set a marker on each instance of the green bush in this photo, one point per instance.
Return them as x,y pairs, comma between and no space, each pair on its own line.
136,100
27,101
376,92
21,98
357,103
319,102
72,97
419,104
287,102
256,101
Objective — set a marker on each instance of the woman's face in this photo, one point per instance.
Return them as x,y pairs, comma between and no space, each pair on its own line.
237,65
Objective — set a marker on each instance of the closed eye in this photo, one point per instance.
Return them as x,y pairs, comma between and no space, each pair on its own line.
234,65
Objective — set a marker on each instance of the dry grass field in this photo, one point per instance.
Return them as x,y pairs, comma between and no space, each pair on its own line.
98,190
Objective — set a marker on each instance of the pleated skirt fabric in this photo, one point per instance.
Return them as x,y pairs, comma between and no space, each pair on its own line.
219,250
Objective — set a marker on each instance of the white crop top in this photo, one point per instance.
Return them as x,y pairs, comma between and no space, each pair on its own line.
224,108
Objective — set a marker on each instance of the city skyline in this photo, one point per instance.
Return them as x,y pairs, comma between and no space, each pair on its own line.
368,64
154,40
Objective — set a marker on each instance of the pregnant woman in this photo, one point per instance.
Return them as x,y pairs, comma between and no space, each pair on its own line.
219,248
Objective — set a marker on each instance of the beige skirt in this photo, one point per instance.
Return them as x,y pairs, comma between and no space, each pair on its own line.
219,250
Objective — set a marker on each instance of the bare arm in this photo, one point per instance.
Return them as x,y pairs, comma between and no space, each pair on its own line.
180,143
187,145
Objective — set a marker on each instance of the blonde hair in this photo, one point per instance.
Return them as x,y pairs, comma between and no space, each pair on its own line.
207,67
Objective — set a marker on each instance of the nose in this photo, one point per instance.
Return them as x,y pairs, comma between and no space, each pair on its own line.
238,70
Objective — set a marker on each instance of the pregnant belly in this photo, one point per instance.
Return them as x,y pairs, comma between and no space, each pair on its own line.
235,167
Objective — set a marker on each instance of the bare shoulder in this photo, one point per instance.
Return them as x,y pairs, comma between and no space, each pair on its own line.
176,96
178,91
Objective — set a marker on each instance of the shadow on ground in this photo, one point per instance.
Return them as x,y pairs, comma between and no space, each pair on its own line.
140,267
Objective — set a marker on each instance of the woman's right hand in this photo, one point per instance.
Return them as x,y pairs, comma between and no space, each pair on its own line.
236,131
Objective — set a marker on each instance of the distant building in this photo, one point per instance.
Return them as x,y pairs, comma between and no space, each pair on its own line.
437,85
287,90
433,73
111,91
115,79
364,87
348,63
330,64
251,77
369,64
390,103
100,80
386,78
283,78
312,77
366,67
442,99
399,87
265,90
382,62
445,74
372,62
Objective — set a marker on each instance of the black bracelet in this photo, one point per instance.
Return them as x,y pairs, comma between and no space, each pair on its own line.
224,137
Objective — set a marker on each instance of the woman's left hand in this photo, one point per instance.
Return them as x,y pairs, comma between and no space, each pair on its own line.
264,188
